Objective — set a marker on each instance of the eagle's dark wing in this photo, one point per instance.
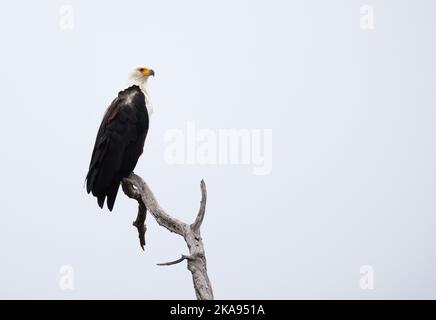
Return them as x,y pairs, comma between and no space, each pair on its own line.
119,143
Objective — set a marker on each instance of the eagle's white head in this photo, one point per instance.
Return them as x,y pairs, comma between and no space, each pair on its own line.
139,77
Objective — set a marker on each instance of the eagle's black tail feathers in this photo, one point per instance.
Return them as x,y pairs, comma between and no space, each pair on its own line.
101,194
112,195
100,200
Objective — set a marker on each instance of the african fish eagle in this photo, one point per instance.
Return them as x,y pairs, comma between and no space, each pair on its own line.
120,138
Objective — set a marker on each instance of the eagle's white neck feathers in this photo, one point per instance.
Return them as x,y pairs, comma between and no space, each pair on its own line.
141,82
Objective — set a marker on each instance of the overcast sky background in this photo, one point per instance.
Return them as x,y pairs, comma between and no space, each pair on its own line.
353,115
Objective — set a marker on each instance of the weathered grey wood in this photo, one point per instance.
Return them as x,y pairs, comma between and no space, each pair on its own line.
136,188
139,223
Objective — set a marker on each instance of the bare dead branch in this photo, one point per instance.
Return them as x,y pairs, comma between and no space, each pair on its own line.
183,257
200,216
136,188
139,223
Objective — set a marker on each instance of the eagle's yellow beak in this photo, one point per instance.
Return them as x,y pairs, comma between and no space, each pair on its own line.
147,72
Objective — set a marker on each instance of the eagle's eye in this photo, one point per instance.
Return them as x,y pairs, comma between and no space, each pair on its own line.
141,69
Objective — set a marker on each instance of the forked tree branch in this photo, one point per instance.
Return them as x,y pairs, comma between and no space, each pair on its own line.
136,188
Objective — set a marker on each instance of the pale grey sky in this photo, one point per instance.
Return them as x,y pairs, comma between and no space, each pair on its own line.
353,116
